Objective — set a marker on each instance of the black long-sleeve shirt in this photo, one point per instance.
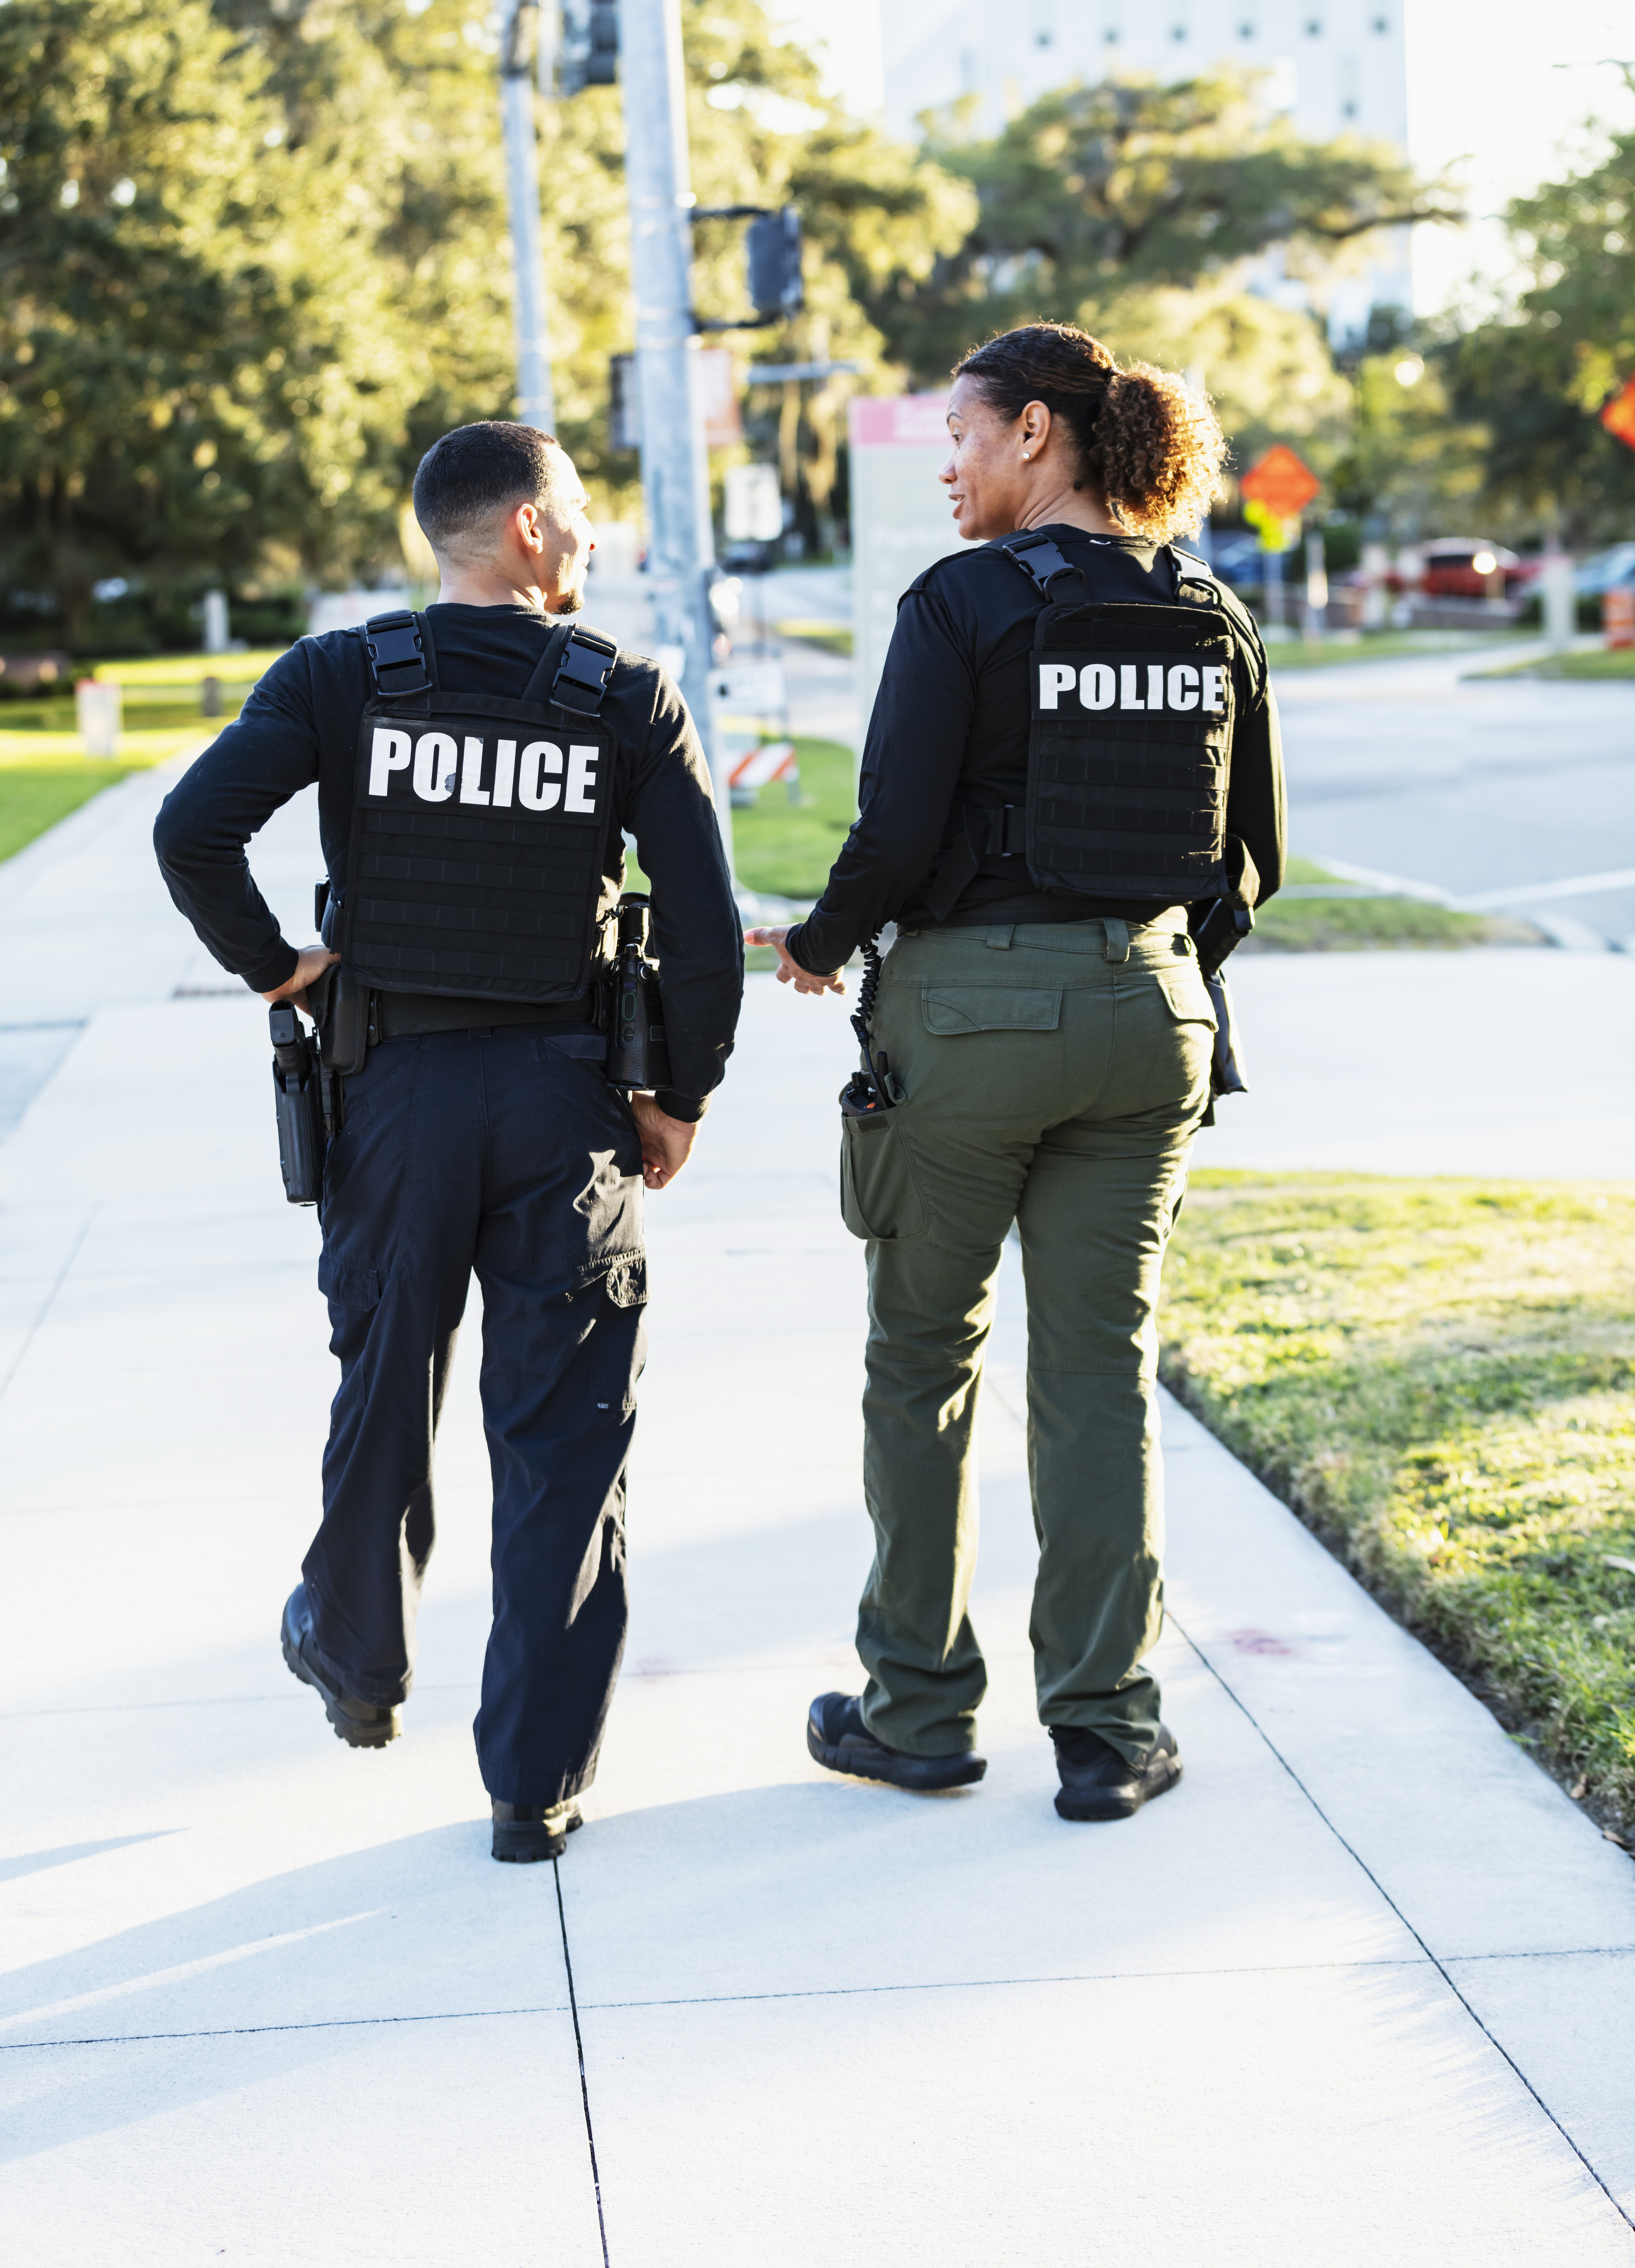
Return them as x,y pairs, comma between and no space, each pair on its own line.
950,724
301,725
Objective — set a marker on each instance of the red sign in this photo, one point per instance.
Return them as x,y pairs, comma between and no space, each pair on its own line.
1618,416
1281,482
912,420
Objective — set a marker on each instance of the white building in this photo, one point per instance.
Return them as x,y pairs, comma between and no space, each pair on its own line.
1336,66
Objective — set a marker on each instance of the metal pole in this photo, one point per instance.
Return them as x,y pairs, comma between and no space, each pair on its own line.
535,406
675,469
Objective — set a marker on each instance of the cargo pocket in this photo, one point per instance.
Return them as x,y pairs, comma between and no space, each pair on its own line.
880,1193
1186,995
627,1281
348,1285
952,1008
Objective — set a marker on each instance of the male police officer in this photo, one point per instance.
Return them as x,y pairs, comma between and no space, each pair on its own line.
477,768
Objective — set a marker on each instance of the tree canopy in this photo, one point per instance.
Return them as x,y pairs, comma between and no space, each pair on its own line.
1096,194
254,257
1537,376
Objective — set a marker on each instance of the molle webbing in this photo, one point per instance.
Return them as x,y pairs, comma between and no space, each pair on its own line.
1129,750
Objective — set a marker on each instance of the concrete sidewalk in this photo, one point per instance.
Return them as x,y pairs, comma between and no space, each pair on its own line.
1357,1993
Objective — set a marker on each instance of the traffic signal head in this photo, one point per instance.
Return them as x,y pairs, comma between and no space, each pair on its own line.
773,244
589,52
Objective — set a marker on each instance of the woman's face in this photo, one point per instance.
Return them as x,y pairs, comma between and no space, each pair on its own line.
988,475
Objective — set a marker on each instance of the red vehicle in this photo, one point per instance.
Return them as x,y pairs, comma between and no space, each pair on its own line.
1468,567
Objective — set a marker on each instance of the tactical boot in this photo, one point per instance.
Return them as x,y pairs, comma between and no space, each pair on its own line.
527,1831
838,1740
360,1724
1097,1782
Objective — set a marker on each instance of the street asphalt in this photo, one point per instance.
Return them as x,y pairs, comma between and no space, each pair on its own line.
1503,790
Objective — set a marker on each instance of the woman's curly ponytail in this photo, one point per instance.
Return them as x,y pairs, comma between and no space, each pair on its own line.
1153,446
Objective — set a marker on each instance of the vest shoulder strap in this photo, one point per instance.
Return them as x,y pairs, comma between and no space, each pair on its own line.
573,671
402,660
1043,561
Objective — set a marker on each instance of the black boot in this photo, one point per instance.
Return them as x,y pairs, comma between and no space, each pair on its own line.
527,1831
840,1741
1097,1782
360,1724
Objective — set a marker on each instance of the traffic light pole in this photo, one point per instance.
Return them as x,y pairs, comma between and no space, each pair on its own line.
675,469
517,48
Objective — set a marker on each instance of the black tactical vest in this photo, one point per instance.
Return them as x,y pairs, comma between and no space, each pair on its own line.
1129,747
479,826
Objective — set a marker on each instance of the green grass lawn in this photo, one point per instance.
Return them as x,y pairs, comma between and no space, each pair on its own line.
1372,924
786,849
834,637
1439,1376
1383,646
1595,662
44,776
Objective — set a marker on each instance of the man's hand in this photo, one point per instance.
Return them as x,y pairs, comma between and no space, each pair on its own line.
789,970
667,1143
308,969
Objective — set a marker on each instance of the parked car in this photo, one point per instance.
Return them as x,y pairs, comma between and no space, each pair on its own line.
1239,561
1606,571
1468,566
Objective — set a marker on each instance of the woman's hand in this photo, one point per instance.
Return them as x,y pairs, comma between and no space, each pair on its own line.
789,970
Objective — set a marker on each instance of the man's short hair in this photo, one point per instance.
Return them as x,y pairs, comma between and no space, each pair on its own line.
478,471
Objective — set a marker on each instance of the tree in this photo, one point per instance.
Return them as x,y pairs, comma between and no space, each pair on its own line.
1537,376
1095,192
186,308
255,258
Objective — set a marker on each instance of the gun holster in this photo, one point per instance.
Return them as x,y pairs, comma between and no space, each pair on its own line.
1218,926
630,1005
297,1094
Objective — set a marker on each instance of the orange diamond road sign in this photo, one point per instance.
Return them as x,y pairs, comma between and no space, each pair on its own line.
1281,482
1618,416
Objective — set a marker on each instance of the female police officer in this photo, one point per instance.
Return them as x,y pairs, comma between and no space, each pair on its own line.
1073,743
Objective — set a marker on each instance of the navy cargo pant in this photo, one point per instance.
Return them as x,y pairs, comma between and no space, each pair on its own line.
507,1153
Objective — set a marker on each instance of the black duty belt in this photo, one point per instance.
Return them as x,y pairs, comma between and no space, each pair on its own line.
411,1015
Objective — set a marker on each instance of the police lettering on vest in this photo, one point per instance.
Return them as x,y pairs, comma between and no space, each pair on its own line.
540,779
479,826
1175,685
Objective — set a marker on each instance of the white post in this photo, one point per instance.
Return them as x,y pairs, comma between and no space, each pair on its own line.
1316,587
675,468
535,406
1560,602
214,622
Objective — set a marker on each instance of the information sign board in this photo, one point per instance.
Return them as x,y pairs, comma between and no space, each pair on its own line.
900,517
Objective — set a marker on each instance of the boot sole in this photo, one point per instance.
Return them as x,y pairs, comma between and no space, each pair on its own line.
1108,1803
525,1845
919,1775
346,1729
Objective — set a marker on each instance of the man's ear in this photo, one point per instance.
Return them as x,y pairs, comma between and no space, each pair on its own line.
528,527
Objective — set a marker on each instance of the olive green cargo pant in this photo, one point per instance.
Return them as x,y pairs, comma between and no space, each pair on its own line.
1054,1077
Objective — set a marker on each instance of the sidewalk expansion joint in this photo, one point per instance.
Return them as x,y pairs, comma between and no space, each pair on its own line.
1438,1964
32,1331
255,2031
579,2042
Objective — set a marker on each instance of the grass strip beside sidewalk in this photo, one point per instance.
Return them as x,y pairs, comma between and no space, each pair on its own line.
1439,1377
1345,925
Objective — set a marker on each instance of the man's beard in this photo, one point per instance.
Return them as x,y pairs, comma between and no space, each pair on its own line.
571,602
